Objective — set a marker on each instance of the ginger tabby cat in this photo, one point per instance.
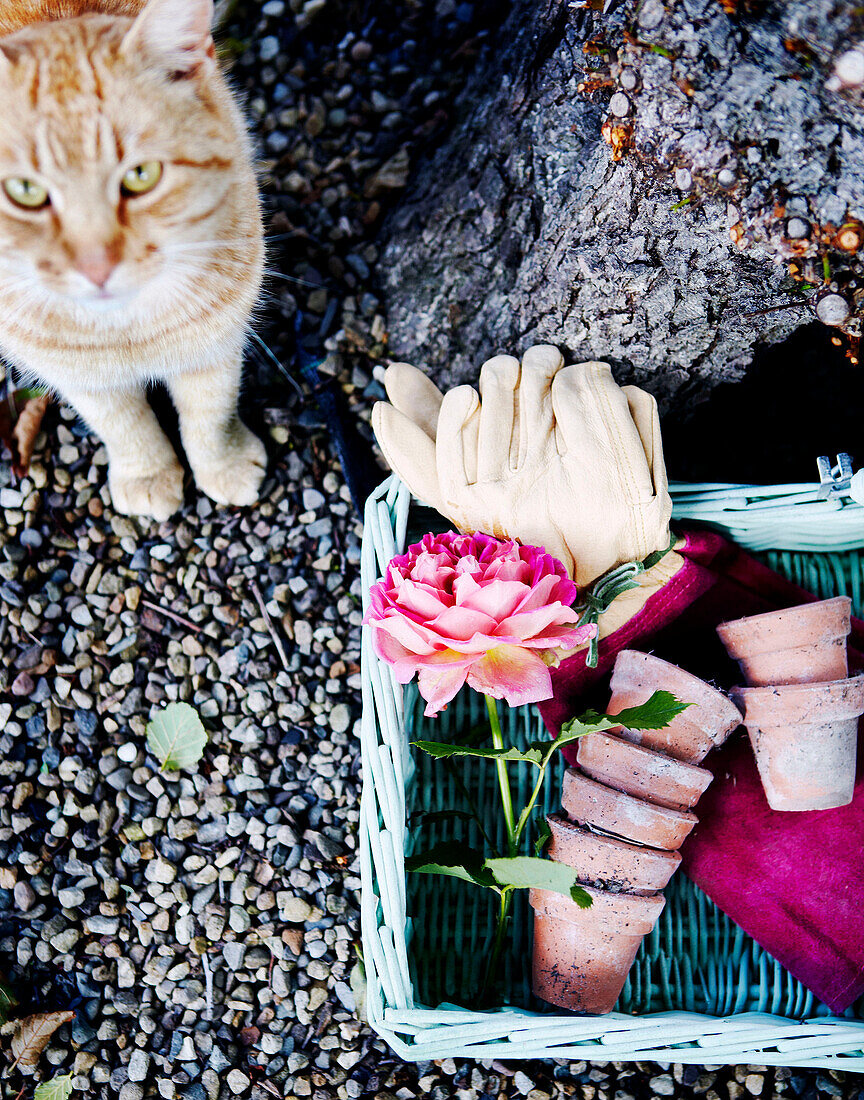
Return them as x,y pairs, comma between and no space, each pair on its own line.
131,245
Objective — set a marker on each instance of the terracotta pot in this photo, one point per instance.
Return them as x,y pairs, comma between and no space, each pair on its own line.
798,645
582,956
805,737
592,803
636,770
607,863
706,723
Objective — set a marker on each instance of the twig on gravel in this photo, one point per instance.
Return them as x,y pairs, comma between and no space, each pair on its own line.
271,628
172,615
208,987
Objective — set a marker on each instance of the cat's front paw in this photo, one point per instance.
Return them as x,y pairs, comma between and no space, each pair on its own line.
158,495
236,478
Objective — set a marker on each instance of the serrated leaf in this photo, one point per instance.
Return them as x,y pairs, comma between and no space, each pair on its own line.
654,714
454,859
442,750
30,1036
544,835
176,737
522,872
58,1088
8,1000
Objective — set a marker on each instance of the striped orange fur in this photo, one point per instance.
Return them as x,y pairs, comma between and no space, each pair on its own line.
104,289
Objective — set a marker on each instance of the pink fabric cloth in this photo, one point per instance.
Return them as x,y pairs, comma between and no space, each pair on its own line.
794,882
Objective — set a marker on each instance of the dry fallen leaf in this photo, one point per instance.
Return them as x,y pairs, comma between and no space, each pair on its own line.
391,176
21,415
30,1036
27,428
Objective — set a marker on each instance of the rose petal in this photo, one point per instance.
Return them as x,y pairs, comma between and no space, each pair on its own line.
415,637
438,685
423,599
549,589
405,663
550,620
512,673
456,624
497,598
562,640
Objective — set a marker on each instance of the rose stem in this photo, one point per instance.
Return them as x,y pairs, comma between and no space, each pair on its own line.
503,778
526,813
505,902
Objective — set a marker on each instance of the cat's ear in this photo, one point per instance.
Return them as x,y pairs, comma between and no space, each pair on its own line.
174,33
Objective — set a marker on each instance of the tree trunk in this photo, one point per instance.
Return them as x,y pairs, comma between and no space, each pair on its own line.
661,187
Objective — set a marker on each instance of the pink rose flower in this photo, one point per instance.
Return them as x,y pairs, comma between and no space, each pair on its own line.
457,608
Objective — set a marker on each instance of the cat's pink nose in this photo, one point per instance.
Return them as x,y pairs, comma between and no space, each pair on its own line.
97,265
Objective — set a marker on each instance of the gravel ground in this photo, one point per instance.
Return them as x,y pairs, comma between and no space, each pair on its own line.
203,925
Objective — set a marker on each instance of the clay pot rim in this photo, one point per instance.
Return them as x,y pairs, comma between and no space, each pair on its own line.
630,799
727,711
641,752
737,634
621,844
848,691
604,904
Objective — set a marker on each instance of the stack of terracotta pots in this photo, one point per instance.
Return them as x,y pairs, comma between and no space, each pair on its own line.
627,811
801,707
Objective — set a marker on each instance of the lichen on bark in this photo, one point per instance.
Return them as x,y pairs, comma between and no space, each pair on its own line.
646,186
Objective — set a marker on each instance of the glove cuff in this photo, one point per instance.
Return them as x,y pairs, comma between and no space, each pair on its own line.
629,603
624,607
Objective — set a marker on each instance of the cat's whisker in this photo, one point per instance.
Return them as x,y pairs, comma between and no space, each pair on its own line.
289,278
206,246
280,366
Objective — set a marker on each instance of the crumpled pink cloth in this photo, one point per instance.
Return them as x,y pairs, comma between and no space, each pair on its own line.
793,881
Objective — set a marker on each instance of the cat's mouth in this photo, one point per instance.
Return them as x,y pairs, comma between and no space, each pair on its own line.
104,301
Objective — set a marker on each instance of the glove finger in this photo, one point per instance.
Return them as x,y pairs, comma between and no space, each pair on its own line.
605,422
409,451
646,417
540,364
456,445
572,410
499,378
414,394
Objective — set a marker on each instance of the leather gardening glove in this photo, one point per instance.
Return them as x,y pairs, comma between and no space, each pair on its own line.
551,455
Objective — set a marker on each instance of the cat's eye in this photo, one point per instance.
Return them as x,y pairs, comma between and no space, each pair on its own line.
142,178
26,193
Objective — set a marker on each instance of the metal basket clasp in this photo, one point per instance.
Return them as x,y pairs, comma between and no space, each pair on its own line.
834,481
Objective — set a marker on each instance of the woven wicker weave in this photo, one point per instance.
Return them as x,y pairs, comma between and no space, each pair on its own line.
700,991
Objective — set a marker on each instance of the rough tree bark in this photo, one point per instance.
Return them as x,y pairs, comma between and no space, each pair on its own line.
645,186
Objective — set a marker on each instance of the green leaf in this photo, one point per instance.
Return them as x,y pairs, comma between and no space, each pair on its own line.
176,737
455,859
522,872
655,714
27,393
442,750
58,1088
8,1000
544,835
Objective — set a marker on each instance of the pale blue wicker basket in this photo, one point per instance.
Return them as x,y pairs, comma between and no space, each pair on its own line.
700,990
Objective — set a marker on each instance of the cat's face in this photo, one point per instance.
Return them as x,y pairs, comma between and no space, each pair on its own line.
124,169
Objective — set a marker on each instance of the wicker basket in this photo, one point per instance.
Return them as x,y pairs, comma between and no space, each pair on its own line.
700,990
